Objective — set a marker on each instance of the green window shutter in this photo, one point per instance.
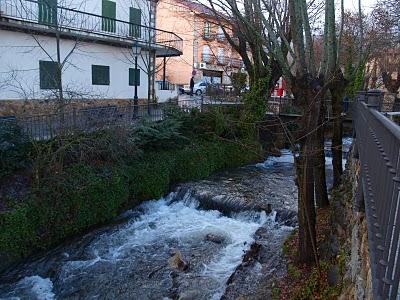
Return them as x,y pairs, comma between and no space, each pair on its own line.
48,71
109,13
100,75
47,12
134,75
135,18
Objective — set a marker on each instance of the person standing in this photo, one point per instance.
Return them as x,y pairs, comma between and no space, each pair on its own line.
191,85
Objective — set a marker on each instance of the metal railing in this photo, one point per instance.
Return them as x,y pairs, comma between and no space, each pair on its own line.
90,119
207,58
165,85
44,127
237,63
221,60
40,16
378,146
283,105
287,106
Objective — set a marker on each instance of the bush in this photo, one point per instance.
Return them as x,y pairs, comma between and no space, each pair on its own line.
82,196
159,135
78,198
14,148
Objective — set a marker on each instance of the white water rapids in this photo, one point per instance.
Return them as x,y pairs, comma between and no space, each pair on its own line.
162,221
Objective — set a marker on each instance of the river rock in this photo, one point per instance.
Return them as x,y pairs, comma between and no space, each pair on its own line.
176,261
215,238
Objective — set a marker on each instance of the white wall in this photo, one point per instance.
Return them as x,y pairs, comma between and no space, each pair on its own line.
19,68
165,95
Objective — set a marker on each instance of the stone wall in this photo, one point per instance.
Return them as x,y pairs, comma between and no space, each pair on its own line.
22,108
353,236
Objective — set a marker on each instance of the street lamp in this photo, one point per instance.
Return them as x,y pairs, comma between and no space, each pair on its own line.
136,52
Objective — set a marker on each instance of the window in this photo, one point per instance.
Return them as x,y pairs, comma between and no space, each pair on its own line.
221,35
100,75
134,75
109,15
47,12
207,29
206,56
221,56
135,17
48,71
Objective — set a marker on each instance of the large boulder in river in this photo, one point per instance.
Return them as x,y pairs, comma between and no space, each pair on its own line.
176,261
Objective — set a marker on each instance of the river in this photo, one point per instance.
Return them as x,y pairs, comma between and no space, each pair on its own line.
207,226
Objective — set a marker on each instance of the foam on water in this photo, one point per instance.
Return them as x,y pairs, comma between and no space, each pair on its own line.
33,287
286,157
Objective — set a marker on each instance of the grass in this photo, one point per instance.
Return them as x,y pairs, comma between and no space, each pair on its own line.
304,282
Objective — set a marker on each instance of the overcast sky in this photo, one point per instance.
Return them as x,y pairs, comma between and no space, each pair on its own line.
353,4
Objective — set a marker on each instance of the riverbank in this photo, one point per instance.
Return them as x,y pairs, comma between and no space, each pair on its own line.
344,268
60,188
89,195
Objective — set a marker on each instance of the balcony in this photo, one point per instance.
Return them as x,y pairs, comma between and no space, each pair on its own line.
208,58
236,63
221,37
35,17
221,60
212,59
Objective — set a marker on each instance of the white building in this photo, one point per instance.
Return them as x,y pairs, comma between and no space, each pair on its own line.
89,44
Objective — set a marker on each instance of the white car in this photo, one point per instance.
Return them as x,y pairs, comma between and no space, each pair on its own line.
198,89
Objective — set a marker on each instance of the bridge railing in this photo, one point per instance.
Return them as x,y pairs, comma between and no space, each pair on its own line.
378,145
288,106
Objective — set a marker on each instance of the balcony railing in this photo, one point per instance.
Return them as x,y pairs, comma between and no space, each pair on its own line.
40,16
221,60
236,63
207,58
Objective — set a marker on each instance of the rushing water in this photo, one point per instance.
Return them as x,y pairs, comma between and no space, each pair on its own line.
211,223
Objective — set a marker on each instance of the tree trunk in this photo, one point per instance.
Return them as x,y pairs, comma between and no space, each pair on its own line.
337,89
337,133
306,209
321,192
305,163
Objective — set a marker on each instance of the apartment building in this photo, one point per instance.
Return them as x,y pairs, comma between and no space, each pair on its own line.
86,48
206,52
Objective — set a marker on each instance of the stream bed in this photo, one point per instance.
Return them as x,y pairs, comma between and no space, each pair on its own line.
190,244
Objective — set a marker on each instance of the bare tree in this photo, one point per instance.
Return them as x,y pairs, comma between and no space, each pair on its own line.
264,26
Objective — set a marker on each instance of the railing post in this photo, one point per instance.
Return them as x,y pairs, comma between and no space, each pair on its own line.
361,96
375,99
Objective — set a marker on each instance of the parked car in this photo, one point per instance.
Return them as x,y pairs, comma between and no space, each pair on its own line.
198,89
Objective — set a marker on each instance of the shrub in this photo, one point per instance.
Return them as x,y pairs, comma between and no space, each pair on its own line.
159,135
78,198
14,148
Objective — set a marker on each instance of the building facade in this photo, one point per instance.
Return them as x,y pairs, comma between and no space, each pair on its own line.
206,52
85,49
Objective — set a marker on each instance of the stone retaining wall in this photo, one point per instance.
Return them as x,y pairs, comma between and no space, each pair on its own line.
354,236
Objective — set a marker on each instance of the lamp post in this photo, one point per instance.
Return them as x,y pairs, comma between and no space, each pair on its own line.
136,52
